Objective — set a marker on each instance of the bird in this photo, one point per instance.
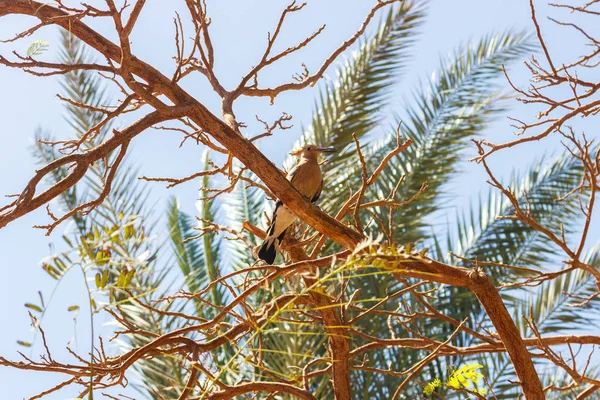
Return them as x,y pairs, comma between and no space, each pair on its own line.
306,176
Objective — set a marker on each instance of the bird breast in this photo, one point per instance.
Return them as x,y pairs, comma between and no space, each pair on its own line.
307,177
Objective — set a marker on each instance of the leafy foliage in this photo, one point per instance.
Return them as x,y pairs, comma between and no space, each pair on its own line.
552,307
457,105
197,260
496,238
467,377
37,48
488,234
245,203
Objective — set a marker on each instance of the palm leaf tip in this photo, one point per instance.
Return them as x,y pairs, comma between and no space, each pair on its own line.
354,104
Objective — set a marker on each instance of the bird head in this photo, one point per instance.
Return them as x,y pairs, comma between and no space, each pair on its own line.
311,151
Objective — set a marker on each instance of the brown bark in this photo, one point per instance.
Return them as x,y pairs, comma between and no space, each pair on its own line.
489,297
339,337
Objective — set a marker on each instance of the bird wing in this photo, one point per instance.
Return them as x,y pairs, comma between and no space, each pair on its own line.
307,178
279,204
318,194
282,218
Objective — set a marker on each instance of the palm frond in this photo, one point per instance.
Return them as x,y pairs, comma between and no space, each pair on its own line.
86,88
554,303
462,98
353,105
197,256
488,235
457,105
188,253
81,86
211,244
550,377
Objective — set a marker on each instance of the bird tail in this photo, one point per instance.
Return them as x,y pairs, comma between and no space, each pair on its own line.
268,249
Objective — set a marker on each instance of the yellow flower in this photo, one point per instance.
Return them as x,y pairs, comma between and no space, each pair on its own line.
431,386
466,377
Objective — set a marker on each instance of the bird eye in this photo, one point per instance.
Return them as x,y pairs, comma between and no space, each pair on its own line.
309,148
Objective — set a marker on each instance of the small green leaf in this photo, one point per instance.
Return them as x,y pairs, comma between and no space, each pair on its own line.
33,307
104,277
37,48
60,264
52,271
102,257
73,308
122,279
66,239
98,280
128,277
431,386
128,232
24,344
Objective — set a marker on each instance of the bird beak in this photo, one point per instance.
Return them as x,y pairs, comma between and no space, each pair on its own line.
327,150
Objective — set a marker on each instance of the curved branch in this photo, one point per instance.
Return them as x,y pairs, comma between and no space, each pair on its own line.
311,80
28,201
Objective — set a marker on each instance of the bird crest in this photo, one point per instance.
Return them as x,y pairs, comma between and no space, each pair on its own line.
311,151
297,152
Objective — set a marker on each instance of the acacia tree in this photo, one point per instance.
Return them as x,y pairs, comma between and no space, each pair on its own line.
370,316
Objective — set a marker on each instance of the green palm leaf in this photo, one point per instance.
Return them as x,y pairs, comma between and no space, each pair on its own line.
486,234
188,253
486,237
81,86
353,105
197,257
457,105
483,235
245,203
553,305
554,312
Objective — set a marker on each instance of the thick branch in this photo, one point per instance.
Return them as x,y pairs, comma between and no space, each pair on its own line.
28,201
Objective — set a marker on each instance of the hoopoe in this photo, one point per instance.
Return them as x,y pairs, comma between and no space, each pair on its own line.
306,176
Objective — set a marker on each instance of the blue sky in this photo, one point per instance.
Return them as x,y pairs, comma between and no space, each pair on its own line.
239,32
